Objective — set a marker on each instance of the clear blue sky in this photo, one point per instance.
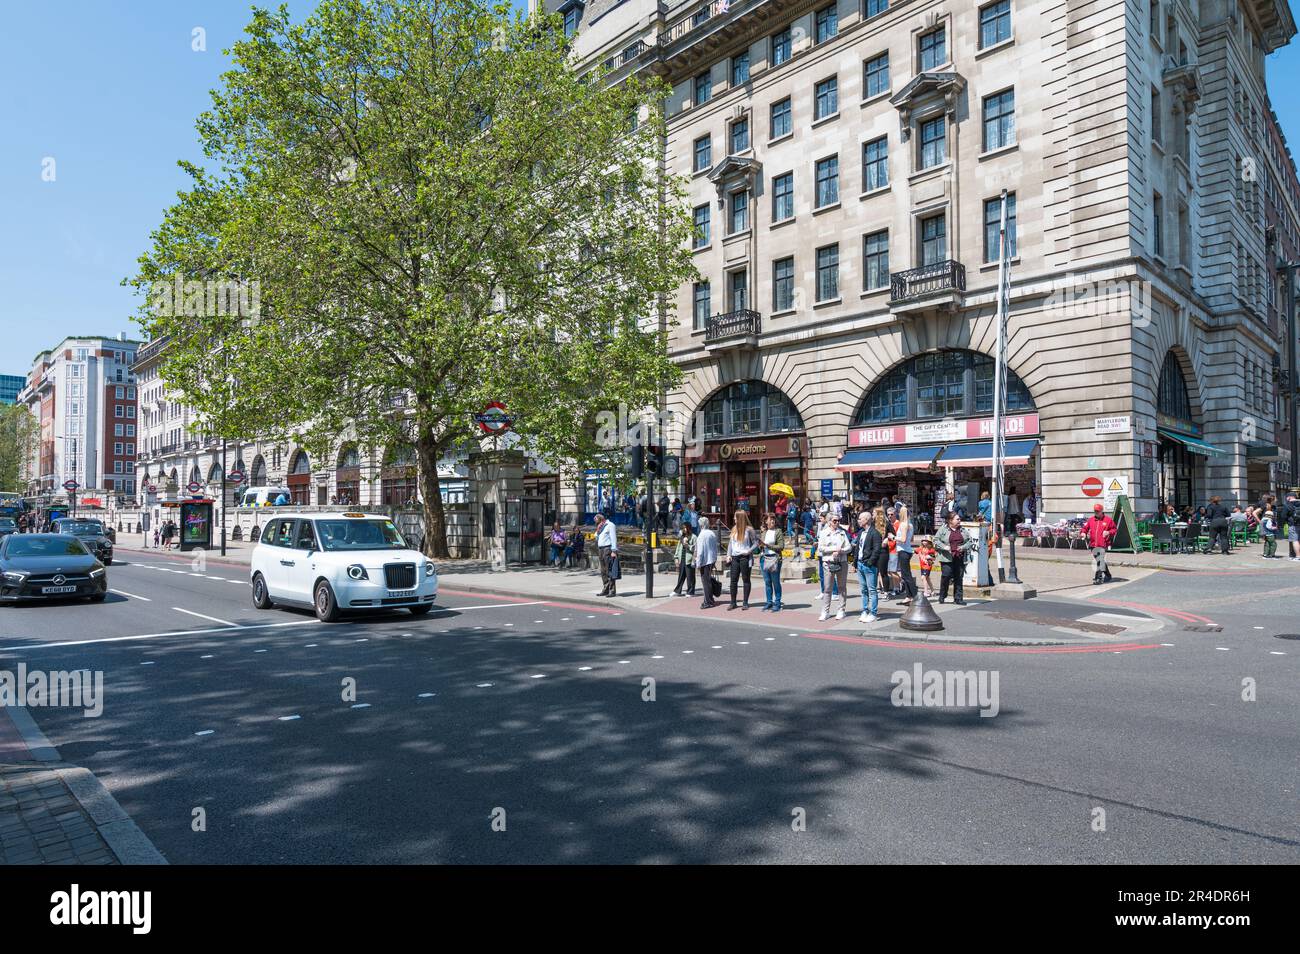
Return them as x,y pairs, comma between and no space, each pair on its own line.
109,89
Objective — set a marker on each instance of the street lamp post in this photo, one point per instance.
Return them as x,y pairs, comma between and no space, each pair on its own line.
1287,270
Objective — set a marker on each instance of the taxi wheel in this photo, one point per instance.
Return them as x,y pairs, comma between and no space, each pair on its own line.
261,599
420,610
327,607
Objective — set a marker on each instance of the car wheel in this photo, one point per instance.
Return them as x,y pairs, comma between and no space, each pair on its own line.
420,610
327,607
261,599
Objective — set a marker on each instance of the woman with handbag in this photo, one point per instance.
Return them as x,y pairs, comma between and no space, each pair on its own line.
952,543
769,562
833,554
740,551
685,554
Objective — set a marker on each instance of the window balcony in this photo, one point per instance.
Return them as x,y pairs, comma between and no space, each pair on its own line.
940,285
696,37
732,330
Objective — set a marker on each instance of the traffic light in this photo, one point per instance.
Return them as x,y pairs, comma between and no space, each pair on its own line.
654,460
634,461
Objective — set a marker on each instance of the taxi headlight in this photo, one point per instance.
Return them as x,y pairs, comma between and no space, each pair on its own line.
358,572
429,569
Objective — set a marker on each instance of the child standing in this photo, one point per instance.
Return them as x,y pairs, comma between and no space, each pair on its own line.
925,554
1268,530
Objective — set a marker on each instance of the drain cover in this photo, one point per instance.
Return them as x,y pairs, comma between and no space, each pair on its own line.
1287,636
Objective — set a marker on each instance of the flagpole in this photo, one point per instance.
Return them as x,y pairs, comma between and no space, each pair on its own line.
999,384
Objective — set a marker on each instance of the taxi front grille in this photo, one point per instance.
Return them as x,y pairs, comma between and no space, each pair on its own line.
400,576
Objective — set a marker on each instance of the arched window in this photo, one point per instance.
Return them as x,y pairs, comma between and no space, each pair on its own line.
1172,399
301,463
939,384
214,473
299,479
195,476
258,477
398,480
347,476
749,408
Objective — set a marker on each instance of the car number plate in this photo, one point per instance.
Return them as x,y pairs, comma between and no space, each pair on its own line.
401,594
58,589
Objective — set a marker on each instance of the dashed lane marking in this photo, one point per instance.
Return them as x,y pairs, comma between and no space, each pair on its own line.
223,622
361,705
205,732
289,718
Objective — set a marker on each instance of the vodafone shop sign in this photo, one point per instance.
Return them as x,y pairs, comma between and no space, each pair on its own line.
928,432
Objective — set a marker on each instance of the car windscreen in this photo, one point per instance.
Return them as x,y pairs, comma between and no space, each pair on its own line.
21,546
7,524
83,528
359,535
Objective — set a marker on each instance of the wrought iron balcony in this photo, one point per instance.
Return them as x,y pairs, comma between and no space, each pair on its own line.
733,329
626,56
942,280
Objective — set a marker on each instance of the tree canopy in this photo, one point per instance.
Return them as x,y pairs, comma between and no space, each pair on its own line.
411,208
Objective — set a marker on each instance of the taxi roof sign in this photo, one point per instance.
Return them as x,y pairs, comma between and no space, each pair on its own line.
354,515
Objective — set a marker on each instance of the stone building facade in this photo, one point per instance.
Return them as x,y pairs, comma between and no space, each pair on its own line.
846,165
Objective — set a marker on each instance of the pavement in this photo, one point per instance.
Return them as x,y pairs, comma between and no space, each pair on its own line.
618,731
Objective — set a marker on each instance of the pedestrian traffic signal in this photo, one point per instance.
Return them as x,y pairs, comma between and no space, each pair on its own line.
634,461
654,460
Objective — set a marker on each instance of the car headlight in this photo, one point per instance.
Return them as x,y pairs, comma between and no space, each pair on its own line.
430,569
97,573
358,572
14,577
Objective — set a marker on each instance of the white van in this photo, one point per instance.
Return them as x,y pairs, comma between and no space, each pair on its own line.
264,497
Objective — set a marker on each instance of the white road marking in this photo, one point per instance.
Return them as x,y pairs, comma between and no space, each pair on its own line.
1223,649
462,609
564,619
769,638
362,705
1275,652
717,647
223,622
538,675
205,732
311,645
656,657
584,669
687,652
209,656
484,685
1259,627
363,639
1166,644
742,642
130,595
426,695
173,632
259,650
510,624
625,662
149,663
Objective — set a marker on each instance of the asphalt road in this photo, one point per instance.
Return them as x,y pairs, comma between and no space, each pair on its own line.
539,709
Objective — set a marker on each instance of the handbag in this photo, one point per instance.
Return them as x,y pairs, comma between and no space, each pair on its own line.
615,572
833,566
717,587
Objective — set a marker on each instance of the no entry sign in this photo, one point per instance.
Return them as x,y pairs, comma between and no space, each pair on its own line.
1092,486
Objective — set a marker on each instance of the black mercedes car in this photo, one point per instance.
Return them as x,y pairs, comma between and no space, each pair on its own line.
44,566
7,526
89,532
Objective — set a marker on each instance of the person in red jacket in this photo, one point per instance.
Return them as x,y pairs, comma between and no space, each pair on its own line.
1099,530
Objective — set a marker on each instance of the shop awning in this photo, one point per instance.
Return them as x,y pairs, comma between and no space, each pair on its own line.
981,454
889,458
1193,444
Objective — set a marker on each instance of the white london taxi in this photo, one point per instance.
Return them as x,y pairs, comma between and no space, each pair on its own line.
339,562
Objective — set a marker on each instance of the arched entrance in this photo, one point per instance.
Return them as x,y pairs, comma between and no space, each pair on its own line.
753,437
299,478
257,478
924,432
1182,447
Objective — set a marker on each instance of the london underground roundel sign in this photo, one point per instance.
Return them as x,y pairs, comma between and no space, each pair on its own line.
494,419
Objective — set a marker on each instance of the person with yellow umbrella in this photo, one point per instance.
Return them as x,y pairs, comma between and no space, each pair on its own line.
784,494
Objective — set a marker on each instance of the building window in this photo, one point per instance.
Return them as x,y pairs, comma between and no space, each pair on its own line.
1171,395
875,76
875,260
1157,133
876,7
572,17
117,448
828,273
780,119
119,430
941,384
739,211
702,225
933,49
119,411
828,181
782,197
828,23
701,305
783,284
995,23
703,153
1158,224
738,290
933,145
120,393
999,120
934,239
781,47
875,164
740,69
993,227
703,87
739,136
826,102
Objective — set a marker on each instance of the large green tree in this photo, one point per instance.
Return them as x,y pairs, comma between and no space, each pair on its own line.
19,436
432,209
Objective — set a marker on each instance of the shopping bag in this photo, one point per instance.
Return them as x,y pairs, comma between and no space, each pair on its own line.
615,572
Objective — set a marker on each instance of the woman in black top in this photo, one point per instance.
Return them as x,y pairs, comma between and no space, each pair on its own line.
1217,514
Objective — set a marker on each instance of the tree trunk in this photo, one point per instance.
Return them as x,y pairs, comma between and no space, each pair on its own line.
435,518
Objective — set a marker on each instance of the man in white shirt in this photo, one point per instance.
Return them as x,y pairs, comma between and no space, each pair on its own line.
833,552
706,555
607,544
